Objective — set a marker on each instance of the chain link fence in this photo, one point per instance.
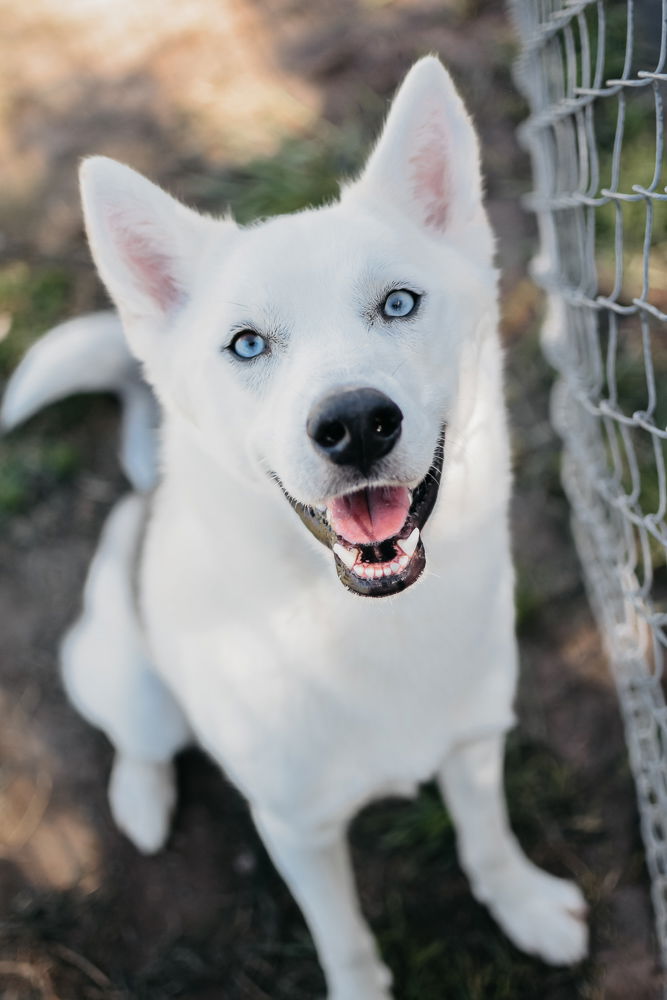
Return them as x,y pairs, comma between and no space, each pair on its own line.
594,73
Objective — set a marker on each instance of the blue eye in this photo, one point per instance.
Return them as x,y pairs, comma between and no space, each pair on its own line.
247,344
400,303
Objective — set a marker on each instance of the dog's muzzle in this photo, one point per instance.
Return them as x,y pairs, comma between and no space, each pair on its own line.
375,532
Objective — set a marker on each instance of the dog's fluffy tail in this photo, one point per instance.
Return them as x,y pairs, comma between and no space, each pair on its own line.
89,354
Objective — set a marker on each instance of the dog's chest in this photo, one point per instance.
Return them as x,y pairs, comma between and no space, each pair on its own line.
316,702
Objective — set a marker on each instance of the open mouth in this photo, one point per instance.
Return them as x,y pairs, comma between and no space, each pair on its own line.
375,532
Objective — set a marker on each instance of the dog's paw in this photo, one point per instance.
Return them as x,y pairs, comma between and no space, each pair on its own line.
142,797
364,980
542,915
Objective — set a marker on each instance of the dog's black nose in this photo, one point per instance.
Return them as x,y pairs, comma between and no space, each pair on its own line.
355,427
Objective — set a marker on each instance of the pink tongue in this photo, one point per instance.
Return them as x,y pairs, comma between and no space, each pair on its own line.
370,515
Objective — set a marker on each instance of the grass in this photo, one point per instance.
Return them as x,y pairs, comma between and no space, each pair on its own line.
636,163
31,468
34,460
33,299
306,171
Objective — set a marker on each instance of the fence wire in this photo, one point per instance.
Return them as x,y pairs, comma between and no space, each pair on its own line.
594,73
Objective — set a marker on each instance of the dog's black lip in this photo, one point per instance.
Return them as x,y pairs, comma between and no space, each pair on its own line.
424,497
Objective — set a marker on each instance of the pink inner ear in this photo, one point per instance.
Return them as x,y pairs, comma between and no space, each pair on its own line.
430,181
152,269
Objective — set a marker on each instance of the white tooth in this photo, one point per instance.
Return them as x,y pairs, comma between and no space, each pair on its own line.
395,566
409,544
346,556
358,568
370,573
387,570
403,561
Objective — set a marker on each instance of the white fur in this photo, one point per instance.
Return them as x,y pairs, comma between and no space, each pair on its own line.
88,354
314,700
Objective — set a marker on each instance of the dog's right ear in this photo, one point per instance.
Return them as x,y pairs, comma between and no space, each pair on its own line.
145,244
425,167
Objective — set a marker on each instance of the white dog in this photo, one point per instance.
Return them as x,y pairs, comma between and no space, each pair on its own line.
333,432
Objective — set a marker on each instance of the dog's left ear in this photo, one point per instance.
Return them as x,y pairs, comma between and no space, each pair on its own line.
425,165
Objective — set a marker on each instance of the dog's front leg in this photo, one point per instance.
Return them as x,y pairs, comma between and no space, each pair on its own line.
319,875
541,914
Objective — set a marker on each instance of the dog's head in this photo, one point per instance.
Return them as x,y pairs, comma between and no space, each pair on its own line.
322,348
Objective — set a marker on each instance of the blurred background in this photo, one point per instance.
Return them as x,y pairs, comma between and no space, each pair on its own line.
260,105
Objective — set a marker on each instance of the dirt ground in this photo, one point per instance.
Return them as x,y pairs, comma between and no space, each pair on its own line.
197,94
